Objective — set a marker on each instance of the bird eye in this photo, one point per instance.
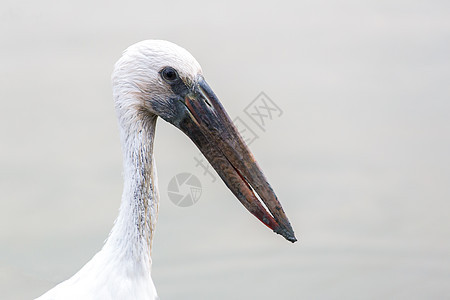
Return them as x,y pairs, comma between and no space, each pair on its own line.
169,74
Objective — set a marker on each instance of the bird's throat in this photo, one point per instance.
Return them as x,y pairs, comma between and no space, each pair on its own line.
132,234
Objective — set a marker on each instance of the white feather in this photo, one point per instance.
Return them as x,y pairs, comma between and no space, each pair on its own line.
122,269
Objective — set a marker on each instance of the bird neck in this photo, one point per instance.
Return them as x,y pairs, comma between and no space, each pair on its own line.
132,234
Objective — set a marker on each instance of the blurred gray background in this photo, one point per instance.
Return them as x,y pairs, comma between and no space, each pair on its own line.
359,158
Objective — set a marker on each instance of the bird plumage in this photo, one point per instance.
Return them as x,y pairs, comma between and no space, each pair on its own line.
122,269
160,79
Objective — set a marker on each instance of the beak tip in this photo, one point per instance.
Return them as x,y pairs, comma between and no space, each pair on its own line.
287,234
292,239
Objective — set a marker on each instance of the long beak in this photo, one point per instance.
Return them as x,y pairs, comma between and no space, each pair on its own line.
211,129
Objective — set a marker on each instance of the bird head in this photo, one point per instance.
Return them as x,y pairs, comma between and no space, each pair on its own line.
158,78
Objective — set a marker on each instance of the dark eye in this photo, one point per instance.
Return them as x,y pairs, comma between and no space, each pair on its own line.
169,74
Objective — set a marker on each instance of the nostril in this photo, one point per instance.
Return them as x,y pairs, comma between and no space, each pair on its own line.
207,102
204,96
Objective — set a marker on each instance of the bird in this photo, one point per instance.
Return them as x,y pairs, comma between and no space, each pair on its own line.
157,78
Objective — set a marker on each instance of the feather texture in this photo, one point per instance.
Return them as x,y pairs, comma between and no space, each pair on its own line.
122,269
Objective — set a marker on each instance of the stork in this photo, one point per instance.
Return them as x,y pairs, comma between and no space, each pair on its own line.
158,78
